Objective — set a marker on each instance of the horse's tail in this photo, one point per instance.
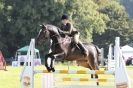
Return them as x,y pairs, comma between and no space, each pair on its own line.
98,54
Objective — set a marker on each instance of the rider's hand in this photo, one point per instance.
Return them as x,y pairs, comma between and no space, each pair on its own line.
63,35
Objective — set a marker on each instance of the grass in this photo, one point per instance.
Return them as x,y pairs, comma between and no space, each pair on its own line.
10,78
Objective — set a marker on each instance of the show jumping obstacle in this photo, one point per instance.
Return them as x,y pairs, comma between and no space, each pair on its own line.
121,78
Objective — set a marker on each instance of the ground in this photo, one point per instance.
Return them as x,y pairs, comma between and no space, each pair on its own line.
11,78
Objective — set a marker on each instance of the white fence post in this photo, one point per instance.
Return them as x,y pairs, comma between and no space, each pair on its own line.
121,76
48,80
102,56
27,75
111,61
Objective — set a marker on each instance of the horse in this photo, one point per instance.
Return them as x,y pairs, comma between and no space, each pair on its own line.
63,45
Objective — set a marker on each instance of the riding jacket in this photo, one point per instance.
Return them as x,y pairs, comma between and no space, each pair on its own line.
68,29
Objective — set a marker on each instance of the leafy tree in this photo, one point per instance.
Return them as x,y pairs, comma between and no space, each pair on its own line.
130,33
95,19
86,18
21,19
116,26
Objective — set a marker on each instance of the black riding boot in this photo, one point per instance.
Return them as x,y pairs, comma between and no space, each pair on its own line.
83,49
73,44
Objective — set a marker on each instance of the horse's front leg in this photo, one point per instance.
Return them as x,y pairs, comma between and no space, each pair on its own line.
49,60
46,62
53,57
52,64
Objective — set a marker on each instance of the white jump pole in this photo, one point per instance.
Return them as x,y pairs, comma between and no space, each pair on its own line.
111,61
27,76
48,80
102,57
121,76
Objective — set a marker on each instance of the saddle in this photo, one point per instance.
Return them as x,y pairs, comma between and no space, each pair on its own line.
68,45
66,40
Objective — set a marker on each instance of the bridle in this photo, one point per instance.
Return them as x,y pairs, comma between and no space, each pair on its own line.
54,36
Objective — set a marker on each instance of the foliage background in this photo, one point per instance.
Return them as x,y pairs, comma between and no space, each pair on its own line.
99,21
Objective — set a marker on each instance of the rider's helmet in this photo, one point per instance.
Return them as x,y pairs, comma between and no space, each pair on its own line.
64,17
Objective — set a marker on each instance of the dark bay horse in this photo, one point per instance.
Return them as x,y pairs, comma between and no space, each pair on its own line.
62,45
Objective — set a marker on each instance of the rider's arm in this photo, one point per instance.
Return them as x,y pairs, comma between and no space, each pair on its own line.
67,29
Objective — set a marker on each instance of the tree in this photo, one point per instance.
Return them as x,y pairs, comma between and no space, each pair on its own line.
95,19
86,18
116,26
130,33
21,20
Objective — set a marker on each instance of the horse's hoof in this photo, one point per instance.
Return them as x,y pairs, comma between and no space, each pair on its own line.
48,69
91,75
53,70
97,83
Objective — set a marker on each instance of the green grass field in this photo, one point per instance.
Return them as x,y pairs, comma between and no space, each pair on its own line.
11,78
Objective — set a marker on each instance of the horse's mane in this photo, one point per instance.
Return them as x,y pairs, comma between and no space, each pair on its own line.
53,28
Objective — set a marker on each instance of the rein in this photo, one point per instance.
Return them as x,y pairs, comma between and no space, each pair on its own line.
58,42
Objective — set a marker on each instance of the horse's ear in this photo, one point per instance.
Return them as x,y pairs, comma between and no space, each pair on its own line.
43,26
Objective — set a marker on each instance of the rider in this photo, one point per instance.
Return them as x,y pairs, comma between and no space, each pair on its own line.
68,29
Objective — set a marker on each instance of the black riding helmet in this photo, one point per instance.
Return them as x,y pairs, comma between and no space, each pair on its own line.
64,17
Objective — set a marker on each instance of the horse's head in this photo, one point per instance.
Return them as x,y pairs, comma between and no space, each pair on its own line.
43,34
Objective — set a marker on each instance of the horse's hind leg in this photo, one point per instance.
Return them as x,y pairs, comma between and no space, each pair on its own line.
95,75
97,68
91,69
93,66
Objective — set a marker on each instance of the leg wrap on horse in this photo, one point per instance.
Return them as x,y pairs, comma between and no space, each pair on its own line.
46,63
49,68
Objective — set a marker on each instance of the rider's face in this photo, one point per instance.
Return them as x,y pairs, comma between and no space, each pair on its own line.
64,21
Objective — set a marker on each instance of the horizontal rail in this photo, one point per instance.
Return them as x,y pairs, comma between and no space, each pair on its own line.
76,72
84,79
